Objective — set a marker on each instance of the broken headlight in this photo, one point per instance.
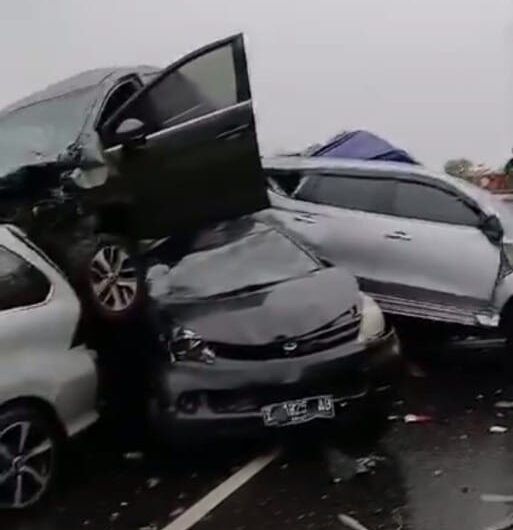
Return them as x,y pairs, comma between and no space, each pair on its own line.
373,321
186,345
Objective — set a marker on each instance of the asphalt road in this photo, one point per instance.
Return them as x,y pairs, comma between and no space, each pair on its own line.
440,474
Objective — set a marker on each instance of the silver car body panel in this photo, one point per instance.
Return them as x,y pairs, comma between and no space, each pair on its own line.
36,357
438,271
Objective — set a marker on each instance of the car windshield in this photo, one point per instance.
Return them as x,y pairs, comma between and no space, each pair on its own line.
42,130
230,259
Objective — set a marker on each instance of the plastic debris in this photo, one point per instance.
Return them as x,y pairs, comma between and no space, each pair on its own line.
438,473
498,429
493,497
135,455
340,466
152,482
351,522
124,504
114,516
367,464
176,512
504,404
417,418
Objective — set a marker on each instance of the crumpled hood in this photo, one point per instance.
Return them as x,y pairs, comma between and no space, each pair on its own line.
282,311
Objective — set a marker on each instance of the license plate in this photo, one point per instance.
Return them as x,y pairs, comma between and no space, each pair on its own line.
298,411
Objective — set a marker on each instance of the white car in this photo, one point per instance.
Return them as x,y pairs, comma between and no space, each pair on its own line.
48,384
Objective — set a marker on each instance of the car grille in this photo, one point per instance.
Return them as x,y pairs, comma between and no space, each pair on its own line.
344,329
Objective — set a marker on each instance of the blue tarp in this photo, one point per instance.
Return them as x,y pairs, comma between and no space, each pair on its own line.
362,145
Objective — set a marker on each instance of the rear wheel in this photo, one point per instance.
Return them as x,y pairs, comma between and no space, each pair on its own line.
30,447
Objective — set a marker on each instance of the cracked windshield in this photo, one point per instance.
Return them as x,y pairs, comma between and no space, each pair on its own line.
256,265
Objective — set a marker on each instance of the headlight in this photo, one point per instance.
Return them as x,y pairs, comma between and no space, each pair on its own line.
187,345
373,321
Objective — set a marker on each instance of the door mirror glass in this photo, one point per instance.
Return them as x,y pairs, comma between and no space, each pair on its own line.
492,228
129,129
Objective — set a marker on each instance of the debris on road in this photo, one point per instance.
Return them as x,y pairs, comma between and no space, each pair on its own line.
504,404
135,455
368,464
498,429
493,497
152,483
438,473
417,418
178,511
340,466
114,516
351,522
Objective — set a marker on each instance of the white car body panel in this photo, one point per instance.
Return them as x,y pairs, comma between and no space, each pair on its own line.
36,358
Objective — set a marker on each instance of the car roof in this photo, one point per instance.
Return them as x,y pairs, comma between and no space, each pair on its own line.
80,81
383,169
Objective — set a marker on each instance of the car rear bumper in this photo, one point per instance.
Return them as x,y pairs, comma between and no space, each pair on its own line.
192,400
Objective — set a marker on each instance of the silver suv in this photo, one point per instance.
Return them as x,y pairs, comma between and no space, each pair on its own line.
423,244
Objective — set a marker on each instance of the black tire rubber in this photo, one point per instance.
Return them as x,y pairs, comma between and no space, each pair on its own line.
77,267
37,418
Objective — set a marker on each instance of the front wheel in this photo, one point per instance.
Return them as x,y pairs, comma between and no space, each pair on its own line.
108,277
29,454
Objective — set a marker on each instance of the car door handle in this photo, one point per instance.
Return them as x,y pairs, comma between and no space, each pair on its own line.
233,133
398,235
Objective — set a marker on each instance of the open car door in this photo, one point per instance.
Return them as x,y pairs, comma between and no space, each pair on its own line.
185,145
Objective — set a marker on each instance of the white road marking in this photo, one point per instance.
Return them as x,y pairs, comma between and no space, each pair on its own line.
197,511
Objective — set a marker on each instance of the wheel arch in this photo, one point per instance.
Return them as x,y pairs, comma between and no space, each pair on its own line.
42,406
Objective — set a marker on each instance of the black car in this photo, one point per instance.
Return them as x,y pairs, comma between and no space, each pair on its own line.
95,164
257,332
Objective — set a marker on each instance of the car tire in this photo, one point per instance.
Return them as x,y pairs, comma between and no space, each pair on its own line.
108,278
30,452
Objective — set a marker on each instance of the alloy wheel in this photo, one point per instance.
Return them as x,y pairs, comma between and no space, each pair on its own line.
114,278
26,464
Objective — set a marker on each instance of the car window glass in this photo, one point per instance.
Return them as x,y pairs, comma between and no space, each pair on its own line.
421,201
356,193
120,96
200,86
43,130
21,284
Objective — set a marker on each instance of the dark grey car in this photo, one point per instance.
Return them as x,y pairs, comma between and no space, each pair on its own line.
423,244
107,158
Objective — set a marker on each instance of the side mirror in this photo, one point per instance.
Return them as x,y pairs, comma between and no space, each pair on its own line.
130,130
492,228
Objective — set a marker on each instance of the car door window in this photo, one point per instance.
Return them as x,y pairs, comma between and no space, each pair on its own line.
198,87
363,193
422,201
116,99
21,284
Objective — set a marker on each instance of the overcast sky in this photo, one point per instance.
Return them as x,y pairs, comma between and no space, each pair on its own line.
433,76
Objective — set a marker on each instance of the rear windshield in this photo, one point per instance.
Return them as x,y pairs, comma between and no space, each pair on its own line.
42,130
216,268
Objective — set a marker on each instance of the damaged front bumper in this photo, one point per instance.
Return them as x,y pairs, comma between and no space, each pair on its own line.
193,400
